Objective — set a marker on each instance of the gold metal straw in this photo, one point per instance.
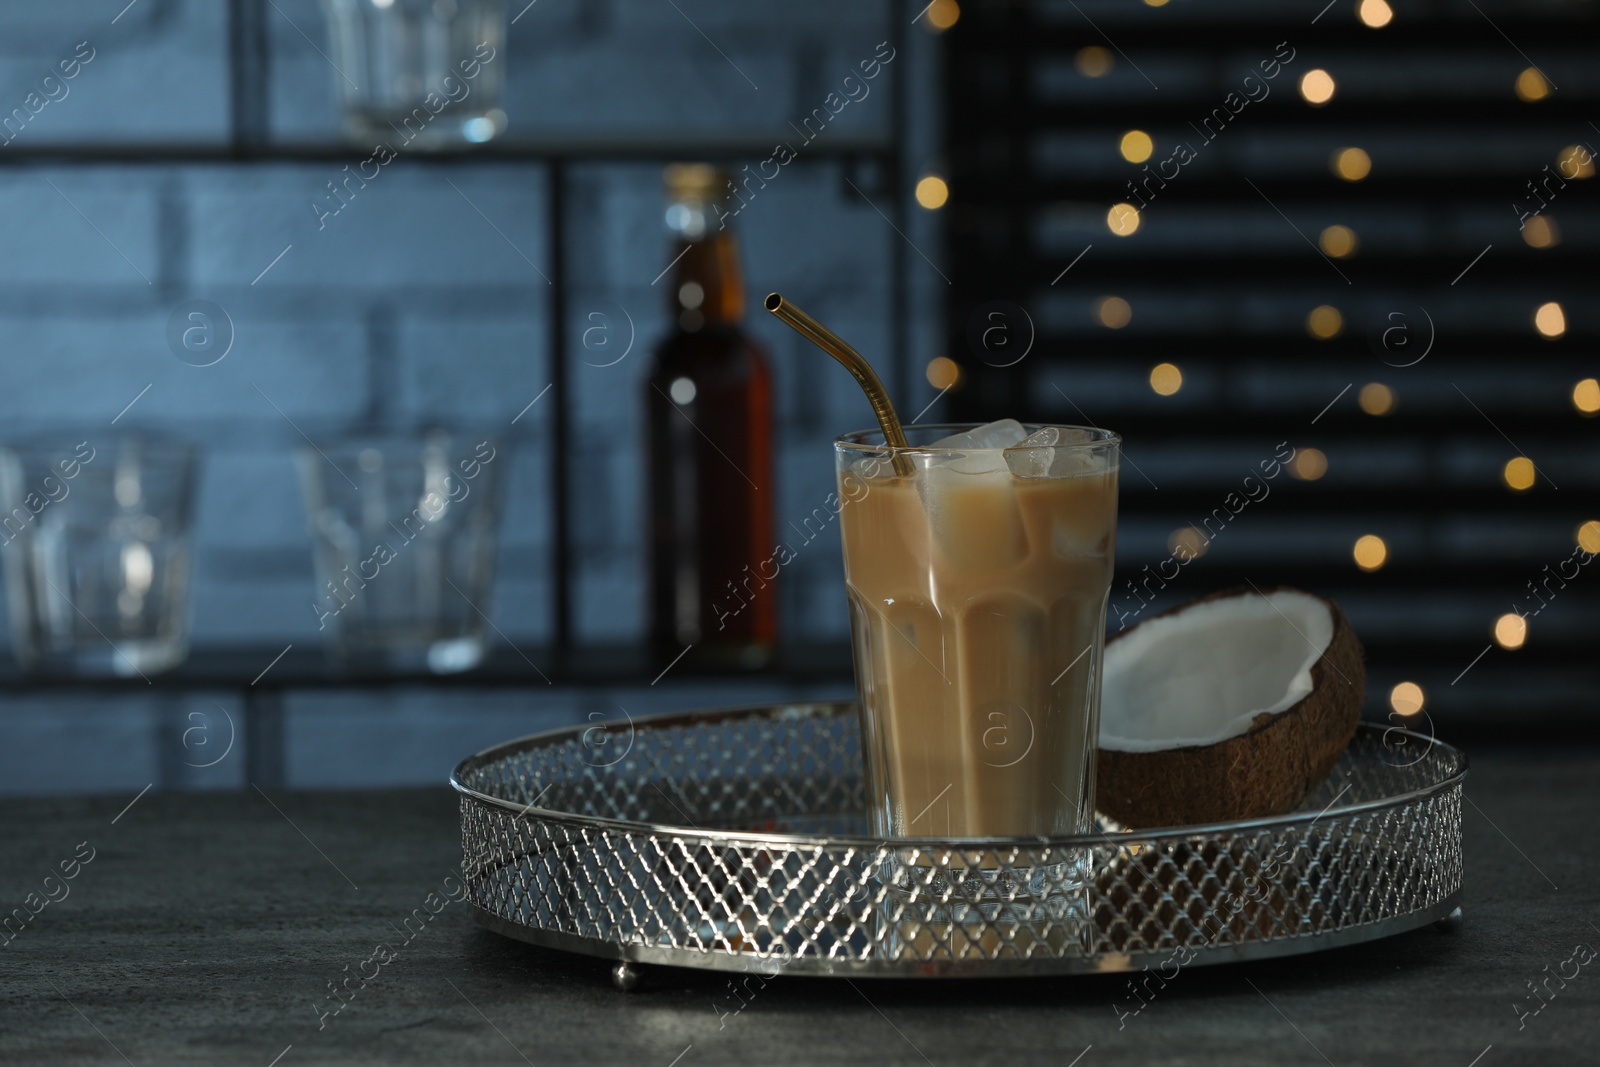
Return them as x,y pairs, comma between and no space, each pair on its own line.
857,365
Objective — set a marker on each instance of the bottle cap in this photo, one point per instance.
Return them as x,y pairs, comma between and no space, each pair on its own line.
695,181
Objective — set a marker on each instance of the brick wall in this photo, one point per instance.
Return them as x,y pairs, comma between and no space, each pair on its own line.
425,297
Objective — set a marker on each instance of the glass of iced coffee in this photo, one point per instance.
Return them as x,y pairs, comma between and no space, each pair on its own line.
978,575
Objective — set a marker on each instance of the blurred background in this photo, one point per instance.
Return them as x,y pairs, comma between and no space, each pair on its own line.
1349,241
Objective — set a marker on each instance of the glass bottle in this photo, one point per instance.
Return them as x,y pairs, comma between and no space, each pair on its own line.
710,470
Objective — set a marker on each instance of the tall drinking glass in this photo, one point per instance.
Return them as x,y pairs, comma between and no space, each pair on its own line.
977,589
95,537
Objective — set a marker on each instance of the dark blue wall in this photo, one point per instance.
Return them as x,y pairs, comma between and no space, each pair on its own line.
422,299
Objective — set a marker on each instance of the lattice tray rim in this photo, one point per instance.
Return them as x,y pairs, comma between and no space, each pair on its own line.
1432,807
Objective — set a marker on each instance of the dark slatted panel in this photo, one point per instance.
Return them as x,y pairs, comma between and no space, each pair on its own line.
1224,269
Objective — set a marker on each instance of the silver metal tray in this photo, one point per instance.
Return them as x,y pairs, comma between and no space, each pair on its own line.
737,840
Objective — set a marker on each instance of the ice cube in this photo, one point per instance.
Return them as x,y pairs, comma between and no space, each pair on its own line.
1084,530
1041,455
1033,457
974,517
1071,464
1000,434
981,446
980,461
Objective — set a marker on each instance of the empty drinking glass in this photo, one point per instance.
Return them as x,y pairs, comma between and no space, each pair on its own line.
95,537
423,73
403,531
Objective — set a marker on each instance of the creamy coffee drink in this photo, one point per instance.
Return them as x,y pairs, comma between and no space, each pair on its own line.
977,588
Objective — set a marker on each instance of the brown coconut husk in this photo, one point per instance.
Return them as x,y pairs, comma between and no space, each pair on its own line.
1267,770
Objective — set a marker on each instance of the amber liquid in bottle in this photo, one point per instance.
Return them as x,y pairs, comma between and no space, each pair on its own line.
709,408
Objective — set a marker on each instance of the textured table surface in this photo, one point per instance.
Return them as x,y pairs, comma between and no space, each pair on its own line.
207,929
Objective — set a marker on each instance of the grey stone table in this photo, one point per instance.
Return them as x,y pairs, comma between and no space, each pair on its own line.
206,929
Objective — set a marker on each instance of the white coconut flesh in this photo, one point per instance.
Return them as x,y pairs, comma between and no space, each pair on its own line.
1203,674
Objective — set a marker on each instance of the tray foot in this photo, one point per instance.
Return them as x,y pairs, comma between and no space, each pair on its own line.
625,976
1450,923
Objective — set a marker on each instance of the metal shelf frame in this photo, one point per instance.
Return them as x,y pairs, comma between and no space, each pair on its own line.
250,142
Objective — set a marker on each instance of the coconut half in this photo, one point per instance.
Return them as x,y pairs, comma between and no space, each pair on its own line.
1233,706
